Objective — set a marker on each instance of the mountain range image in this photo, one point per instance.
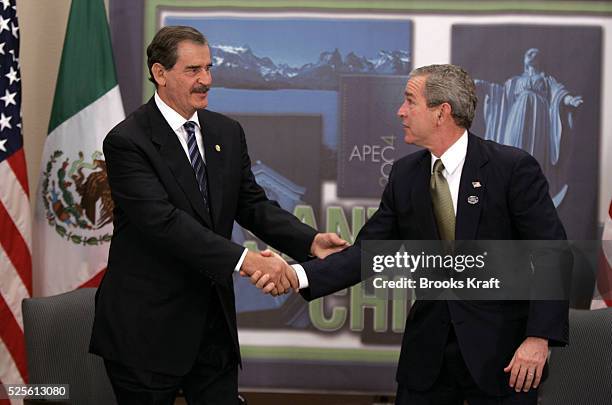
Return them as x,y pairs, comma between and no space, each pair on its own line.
239,67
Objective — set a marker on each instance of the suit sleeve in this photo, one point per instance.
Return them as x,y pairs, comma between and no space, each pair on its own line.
343,269
266,219
535,218
138,193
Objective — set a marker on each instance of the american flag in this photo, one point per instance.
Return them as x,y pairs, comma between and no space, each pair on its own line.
15,238
603,295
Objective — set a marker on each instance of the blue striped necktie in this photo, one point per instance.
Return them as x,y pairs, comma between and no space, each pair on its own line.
199,167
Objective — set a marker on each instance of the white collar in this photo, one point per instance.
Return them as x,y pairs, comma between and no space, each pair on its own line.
174,119
454,156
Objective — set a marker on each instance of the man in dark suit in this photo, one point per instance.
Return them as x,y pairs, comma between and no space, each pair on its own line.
180,175
465,188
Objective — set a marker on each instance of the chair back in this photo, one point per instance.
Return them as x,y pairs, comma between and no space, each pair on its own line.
581,373
57,333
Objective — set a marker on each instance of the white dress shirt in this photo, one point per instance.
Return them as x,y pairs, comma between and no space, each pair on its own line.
453,160
176,122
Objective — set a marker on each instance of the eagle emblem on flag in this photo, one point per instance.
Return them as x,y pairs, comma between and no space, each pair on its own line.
77,197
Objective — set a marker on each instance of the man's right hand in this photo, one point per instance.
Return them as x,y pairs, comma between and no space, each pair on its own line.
270,273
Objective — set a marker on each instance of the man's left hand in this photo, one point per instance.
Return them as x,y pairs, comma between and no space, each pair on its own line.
324,244
527,364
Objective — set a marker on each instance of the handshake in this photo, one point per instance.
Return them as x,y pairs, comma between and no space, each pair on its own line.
271,273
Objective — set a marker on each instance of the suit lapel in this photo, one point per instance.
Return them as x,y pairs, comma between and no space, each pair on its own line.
215,152
421,200
174,155
472,188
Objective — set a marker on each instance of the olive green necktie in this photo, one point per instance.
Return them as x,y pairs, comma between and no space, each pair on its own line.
442,203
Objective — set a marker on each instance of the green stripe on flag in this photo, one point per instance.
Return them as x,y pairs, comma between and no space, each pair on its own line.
87,70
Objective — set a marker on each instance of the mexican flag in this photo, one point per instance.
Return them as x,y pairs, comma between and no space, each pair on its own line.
73,215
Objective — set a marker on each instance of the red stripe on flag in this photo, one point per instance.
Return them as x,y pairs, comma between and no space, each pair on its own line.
18,164
94,281
12,336
3,394
604,279
16,248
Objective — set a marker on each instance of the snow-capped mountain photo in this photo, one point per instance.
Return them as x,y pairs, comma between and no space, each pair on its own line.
240,67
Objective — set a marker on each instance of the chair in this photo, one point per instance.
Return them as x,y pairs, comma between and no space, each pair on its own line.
57,332
581,373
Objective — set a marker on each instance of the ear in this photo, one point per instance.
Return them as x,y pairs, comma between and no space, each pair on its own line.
159,74
445,111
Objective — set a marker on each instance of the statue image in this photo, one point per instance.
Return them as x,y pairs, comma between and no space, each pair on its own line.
530,111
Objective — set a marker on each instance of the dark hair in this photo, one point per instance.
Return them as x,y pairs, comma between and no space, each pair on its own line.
163,47
453,85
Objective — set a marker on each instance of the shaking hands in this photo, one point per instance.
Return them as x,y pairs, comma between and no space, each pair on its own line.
269,272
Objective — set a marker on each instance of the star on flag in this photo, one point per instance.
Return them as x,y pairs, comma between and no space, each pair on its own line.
4,24
5,122
12,76
8,98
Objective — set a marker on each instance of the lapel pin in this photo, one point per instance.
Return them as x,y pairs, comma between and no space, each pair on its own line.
218,148
476,184
472,199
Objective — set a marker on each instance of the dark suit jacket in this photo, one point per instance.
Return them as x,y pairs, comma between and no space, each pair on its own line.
514,204
169,259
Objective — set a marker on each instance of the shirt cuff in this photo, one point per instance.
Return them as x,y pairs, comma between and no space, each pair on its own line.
301,275
239,265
